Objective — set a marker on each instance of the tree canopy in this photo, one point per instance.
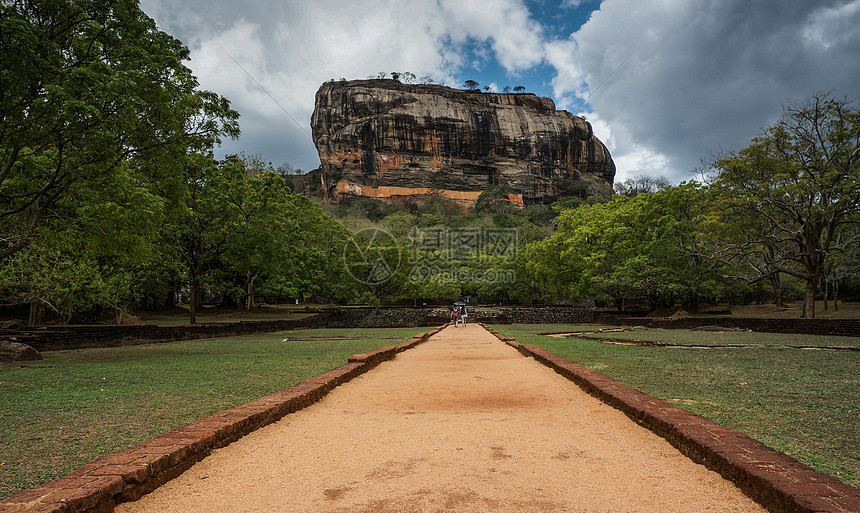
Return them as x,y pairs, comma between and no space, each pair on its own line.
796,192
88,89
630,249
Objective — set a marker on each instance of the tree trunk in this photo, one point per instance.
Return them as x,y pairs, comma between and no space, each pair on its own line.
249,290
809,300
36,314
835,294
776,283
826,295
193,305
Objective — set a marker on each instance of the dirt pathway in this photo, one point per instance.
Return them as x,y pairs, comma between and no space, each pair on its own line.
460,423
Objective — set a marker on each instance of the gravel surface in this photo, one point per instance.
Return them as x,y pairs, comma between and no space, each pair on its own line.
461,423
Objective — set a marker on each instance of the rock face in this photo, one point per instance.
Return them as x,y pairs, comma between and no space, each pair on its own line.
398,142
11,351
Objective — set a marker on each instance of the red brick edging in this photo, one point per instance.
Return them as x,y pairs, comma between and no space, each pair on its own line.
127,475
773,479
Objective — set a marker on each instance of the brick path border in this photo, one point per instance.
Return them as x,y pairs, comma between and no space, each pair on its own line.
129,474
775,480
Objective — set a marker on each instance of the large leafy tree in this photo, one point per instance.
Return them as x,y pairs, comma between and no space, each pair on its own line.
283,239
631,248
201,230
241,224
89,88
97,249
799,184
311,254
259,200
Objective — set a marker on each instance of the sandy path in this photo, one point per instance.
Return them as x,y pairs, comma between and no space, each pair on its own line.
460,423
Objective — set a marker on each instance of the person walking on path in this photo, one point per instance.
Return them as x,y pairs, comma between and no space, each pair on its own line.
455,315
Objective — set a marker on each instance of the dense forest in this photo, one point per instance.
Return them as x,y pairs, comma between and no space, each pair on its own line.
112,200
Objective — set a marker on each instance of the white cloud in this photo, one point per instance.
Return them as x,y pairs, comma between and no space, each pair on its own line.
293,47
704,77
829,26
213,63
513,35
630,159
637,161
570,76
701,76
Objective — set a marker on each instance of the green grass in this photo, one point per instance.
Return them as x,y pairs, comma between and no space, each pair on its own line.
741,338
801,402
74,406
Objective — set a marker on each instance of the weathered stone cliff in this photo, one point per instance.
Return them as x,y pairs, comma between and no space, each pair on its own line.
396,142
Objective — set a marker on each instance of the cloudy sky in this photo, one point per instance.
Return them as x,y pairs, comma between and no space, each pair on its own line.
667,82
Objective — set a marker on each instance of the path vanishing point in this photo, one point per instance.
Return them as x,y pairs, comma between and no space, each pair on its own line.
461,423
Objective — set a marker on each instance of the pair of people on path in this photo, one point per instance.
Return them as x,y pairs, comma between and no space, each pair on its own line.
458,315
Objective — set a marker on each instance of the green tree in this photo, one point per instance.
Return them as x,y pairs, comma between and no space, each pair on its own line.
630,248
743,246
280,239
843,266
802,176
46,277
471,85
641,184
259,200
99,248
201,230
85,87
311,252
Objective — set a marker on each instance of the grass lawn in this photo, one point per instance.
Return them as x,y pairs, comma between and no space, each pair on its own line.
74,406
718,338
801,402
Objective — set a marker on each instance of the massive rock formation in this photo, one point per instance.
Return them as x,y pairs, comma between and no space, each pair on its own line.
397,142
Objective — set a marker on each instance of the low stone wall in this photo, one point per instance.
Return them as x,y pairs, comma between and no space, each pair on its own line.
53,338
384,317
773,479
409,316
845,327
534,315
127,475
